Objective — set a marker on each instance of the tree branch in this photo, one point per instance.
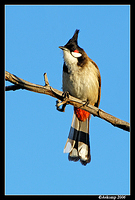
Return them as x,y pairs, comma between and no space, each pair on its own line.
48,90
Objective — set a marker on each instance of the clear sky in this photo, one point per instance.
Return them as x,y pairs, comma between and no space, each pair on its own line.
35,132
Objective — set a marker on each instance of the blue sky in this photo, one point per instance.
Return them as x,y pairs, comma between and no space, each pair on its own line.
35,132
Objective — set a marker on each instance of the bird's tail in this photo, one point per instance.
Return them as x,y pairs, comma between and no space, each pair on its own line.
77,144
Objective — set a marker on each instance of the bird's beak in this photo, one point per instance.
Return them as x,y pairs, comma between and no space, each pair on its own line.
62,47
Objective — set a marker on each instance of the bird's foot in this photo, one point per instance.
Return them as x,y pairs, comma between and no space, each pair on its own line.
62,103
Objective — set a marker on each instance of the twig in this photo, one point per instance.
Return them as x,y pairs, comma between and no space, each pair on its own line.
46,79
47,89
13,87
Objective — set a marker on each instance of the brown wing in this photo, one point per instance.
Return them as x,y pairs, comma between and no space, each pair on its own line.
99,91
99,80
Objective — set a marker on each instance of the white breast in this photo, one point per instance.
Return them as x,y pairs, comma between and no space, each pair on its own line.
80,82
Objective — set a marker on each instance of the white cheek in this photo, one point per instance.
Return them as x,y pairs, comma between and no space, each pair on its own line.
76,55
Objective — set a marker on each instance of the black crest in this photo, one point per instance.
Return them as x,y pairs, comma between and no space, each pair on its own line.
72,44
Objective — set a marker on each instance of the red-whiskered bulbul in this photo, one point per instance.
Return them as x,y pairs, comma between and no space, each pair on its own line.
81,78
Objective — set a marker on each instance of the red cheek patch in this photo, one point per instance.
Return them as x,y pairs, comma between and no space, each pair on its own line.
76,51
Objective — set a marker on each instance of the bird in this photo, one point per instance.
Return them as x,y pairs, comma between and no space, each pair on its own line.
81,79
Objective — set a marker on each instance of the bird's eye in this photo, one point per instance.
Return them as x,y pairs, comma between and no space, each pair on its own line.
76,54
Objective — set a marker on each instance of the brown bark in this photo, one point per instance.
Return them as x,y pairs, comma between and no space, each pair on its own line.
48,90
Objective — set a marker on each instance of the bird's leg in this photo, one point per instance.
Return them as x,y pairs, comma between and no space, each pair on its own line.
86,103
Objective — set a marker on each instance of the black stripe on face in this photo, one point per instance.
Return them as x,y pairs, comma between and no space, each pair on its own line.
65,68
79,136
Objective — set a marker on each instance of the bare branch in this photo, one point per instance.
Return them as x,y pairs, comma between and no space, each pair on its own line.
48,90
